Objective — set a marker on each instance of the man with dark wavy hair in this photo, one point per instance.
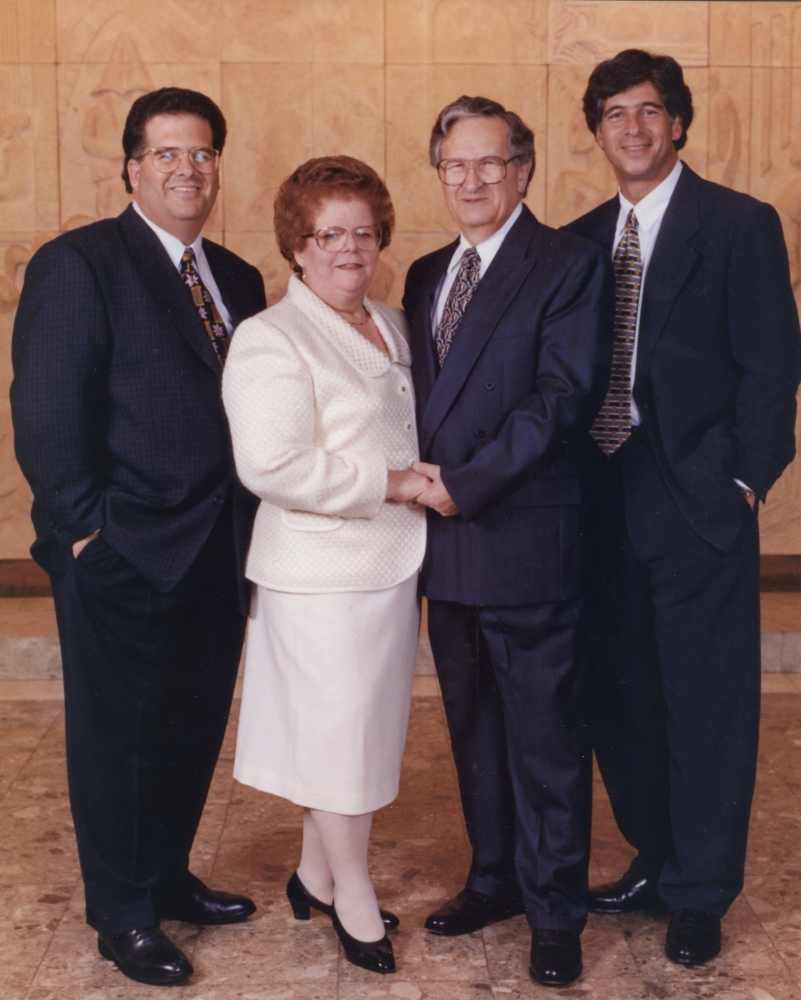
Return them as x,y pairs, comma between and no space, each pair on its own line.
119,344
696,427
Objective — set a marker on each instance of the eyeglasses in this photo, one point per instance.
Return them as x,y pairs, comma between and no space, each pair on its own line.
489,170
332,239
169,158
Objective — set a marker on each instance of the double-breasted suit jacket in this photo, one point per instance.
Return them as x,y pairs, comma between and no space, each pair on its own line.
118,417
506,416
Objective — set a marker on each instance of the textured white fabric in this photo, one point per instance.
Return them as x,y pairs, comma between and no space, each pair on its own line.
318,415
325,702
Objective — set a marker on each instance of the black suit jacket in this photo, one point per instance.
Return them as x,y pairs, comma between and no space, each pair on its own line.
524,377
719,354
118,418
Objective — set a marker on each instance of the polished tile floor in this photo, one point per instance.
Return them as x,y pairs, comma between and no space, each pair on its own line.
249,842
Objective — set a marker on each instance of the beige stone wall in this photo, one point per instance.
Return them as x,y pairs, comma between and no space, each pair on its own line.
299,78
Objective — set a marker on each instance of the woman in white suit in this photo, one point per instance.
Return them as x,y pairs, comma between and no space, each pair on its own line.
320,401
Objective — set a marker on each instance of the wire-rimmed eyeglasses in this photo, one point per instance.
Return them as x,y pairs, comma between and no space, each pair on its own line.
332,239
169,158
489,170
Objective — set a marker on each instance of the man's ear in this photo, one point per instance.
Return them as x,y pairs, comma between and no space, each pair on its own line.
134,166
676,128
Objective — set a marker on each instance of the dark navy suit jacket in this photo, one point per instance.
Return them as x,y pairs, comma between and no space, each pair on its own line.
507,415
118,417
719,354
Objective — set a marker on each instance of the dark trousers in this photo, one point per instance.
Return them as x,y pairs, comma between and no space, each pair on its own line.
148,682
675,641
512,689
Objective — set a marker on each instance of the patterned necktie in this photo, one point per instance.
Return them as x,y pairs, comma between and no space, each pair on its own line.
460,294
206,308
613,424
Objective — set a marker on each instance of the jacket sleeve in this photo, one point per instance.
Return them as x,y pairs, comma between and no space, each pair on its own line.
766,345
58,407
575,343
268,394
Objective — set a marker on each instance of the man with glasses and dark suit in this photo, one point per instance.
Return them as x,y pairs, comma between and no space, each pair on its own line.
511,330
119,346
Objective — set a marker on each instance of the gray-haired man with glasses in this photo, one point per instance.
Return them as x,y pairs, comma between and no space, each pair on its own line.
119,344
511,329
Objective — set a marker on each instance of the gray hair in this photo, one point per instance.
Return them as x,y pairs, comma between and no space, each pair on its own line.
521,138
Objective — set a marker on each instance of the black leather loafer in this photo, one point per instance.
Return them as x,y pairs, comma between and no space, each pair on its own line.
302,901
555,957
146,955
470,911
375,956
693,937
209,907
631,892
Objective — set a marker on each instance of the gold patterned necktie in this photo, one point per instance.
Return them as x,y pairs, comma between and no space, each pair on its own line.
613,424
461,292
207,310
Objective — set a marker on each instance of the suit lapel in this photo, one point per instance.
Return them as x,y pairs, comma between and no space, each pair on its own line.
421,337
606,223
671,263
163,280
230,288
492,298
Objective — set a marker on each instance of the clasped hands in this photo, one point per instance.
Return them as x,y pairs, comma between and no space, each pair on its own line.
423,484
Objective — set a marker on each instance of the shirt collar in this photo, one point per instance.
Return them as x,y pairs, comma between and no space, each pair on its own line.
650,209
486,250
174,247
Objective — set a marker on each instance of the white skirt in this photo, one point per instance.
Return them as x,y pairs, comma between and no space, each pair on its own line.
326,696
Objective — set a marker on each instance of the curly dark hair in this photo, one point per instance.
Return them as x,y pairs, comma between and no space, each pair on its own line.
630,68
168,101
315,181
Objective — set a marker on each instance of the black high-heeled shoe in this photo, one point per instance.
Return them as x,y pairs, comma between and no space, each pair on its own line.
302,900
375,956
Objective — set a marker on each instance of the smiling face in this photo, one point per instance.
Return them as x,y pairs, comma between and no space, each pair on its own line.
179,202
340,278
637,135
481,209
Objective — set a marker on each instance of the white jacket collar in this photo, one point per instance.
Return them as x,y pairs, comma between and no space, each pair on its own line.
348,341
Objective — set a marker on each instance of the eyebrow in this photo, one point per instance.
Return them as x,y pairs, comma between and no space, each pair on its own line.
642,104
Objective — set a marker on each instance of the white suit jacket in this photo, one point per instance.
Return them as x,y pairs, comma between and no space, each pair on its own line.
318,415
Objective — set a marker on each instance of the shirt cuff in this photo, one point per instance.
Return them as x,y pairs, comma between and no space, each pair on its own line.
742,486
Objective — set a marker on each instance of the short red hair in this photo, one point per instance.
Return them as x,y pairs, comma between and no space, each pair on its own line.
315,182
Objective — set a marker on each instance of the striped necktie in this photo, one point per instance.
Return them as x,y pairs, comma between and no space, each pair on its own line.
208,312
460,294
613,424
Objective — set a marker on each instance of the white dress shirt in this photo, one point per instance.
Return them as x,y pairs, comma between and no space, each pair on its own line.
649,212
486,252
175,249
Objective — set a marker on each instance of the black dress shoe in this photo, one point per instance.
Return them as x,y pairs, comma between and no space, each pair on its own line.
209,907
302,901
375,956
470,911
633,891
555,957
693,937
146,955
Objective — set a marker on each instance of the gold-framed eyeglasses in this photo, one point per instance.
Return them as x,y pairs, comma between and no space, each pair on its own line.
332,239
169,158
489,170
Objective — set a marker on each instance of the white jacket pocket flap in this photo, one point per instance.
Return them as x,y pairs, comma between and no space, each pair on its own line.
301,520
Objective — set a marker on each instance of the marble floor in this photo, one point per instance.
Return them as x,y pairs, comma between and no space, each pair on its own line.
249,842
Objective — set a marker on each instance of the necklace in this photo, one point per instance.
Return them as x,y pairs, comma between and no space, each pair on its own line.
366,319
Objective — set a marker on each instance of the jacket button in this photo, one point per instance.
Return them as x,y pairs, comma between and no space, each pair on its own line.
219,501
478,433
489,386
